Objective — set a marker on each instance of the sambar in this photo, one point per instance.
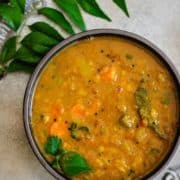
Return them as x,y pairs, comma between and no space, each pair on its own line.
105,107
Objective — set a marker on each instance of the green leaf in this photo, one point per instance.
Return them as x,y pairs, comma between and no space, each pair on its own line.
26,55
122,4
71,8
58,18
46,29
17,66
56,162
74,164
154,124
142,98
8,50
91,7
73,128
40,49
39,42
11,15
145,111
18,4
53,145
78,132
39,38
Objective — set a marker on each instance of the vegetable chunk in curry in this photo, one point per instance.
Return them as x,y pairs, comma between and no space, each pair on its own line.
105,108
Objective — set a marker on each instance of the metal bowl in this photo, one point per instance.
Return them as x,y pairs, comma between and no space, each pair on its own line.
27,109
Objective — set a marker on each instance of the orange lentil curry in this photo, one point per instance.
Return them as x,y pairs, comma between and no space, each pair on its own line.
104,108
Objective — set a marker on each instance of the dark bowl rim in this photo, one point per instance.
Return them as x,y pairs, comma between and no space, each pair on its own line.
27,106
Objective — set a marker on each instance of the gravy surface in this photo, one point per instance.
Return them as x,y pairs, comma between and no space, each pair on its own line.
122,96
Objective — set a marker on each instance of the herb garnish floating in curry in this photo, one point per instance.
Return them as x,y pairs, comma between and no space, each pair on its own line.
105,108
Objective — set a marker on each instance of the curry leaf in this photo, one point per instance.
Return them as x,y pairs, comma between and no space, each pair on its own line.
78,132
26,55
17,66
35,39
18,4
122,4
71,8
91,7
8,50
53,145
46,29
11,15
40,49
74,164
142,98
73,129
154,124
58,18
145,111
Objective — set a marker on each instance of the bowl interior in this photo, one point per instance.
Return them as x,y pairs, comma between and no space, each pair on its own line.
28,99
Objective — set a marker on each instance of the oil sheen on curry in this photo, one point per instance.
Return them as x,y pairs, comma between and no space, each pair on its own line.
104,108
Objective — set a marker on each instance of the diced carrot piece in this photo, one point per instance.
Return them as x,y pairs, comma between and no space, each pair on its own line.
109,74
78,110
59,129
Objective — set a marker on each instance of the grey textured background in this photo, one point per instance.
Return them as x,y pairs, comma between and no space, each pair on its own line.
157,20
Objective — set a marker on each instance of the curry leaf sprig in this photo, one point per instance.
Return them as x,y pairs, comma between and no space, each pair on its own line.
24,55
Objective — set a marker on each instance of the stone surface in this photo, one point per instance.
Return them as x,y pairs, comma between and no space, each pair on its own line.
156,20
